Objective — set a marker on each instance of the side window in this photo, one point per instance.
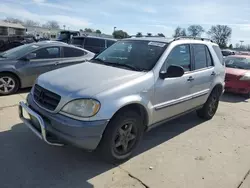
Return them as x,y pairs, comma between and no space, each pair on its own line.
218,53
200,57
47,53
73,52
180,55
209,58
95,42
110,43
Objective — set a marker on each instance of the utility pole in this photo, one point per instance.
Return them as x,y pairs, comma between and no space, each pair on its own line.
64,27
114,29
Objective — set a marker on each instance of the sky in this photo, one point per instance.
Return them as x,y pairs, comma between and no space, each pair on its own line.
132,16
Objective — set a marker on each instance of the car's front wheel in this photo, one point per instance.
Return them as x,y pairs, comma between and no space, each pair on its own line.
121,136
8,84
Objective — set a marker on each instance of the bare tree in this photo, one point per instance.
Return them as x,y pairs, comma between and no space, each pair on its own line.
237,45
179,32
31,23
88,30
13,20
160,35
52,25
195,30
220,34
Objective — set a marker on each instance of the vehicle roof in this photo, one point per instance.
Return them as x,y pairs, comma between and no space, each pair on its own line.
49,43
169,40
242,56
95,37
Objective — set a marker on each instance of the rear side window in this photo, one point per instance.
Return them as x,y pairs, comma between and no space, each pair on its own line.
200,57
95,42
47,53
218,53
110,42
73,52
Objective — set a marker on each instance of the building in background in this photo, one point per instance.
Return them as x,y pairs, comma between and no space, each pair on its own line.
9,29
41,32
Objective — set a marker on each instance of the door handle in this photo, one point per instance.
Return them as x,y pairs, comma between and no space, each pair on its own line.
213,73
190,79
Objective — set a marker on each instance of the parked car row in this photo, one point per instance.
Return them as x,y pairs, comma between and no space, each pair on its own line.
20,66
107,103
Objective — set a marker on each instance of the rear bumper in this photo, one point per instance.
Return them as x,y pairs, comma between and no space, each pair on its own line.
57,130
241,87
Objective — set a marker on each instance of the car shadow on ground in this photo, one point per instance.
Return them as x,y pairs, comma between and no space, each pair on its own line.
26,161
233,98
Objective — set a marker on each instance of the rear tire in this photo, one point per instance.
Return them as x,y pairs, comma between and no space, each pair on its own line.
210,107
118,143
9,84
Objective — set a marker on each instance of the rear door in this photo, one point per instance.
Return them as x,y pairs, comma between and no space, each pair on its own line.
94,45
46,59
203,74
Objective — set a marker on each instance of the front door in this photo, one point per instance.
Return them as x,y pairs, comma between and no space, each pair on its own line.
172,95
45,59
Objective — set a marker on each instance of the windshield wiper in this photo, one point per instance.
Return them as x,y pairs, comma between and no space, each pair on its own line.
132,67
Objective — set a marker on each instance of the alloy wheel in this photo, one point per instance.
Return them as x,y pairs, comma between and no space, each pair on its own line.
7,85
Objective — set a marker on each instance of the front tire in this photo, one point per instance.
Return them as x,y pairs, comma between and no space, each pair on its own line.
121,136
9,84
209,109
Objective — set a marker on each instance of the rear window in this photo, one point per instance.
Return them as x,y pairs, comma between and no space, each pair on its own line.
218,53
94,42
73,52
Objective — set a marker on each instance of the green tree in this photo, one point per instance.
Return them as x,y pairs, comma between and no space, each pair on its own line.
220,34
230,46
149,34
88,30
120,34
98,31
195,30
139,34
160,35
179,32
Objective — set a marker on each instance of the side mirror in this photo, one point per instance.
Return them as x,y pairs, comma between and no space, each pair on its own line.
173,71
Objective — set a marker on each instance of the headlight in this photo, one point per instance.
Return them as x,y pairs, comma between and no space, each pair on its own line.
82,107
246,76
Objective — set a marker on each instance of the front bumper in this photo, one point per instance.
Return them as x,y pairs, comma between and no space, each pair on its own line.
57,130
241,87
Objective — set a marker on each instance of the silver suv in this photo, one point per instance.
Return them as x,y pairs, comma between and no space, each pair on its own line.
134,85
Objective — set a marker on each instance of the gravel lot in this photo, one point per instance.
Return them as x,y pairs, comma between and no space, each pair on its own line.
185,153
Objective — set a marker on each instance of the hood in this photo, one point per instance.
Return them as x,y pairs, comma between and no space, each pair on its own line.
85,79
236,72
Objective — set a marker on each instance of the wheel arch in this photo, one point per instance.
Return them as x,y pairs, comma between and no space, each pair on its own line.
13,74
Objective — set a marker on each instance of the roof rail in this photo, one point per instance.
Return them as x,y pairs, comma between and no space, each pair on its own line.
131,36
194,38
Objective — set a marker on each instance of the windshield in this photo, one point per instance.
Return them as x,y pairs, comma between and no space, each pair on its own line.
238,62
142,55
19,51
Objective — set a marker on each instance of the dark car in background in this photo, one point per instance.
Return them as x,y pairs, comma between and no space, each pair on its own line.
227,52
20,66
93,44
9,42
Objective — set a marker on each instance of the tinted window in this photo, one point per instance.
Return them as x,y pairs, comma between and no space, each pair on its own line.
218,53
77,41
209,58
140,54
200,57
47,53
110,42
73,52
180,55
95,42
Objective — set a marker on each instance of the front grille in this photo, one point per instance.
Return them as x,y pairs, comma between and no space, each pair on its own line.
46,98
